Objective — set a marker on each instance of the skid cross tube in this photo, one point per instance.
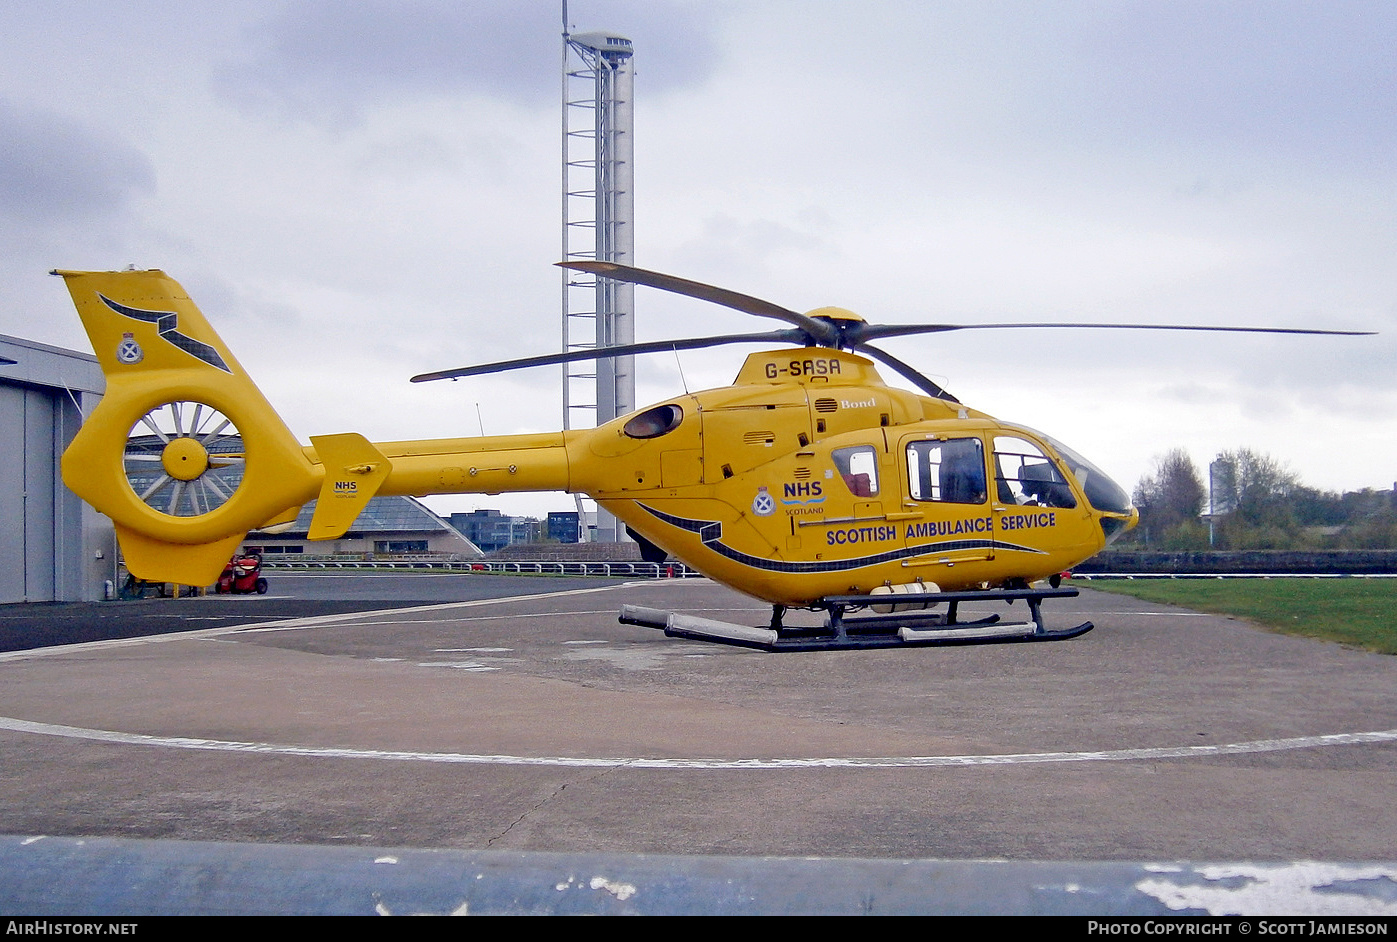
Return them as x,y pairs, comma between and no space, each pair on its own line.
893,629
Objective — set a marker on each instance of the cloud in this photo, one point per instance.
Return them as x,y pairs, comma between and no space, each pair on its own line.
70,195
373,188
1081,82
1288,78
56,170
326,61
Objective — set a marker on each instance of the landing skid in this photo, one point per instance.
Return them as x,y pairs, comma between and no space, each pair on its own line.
895,629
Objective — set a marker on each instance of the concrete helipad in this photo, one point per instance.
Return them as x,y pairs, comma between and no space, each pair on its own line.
540,724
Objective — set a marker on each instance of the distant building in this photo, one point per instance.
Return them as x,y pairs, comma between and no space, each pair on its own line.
491,530
388,526
563,526
525,530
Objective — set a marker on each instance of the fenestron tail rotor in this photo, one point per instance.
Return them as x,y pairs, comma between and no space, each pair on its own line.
184,459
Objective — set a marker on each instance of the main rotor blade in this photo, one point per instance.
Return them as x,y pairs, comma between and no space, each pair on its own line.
605,353
856,334
820,333
909,372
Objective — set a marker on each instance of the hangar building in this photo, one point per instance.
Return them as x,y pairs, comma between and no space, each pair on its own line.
53,547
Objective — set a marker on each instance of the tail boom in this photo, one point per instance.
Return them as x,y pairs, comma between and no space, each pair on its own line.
179,409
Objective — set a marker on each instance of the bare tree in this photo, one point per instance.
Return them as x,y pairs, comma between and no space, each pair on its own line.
1172,494
1254,486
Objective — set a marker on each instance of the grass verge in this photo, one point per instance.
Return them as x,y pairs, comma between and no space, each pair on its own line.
1357,612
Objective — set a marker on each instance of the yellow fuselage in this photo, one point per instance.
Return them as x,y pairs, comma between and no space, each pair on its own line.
744,487
797,482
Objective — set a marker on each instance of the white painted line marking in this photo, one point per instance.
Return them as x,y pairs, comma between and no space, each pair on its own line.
1303,888
887,762
284,624
459,665
509,616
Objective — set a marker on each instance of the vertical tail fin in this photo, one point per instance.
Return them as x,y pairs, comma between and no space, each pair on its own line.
184,453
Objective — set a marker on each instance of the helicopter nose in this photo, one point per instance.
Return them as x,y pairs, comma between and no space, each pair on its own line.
1113,525
1114,512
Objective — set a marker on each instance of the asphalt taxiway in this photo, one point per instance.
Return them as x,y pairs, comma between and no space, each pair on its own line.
536,722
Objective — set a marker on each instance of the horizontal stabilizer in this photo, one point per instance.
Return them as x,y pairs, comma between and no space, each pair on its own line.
354,471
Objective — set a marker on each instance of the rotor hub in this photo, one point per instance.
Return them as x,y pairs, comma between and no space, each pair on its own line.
844,322
837,314
184,459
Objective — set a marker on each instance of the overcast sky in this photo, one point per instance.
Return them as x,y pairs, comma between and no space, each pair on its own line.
355,192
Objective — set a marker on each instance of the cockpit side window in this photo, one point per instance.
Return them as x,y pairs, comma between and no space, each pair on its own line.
952,470
859,468
1024,475
652,423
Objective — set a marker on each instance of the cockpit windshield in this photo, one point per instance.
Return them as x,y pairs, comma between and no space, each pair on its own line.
1102,493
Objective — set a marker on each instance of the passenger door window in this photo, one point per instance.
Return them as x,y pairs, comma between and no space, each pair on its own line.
950,471
859,468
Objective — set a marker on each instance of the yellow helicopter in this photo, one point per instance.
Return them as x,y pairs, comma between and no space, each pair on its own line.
808,483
